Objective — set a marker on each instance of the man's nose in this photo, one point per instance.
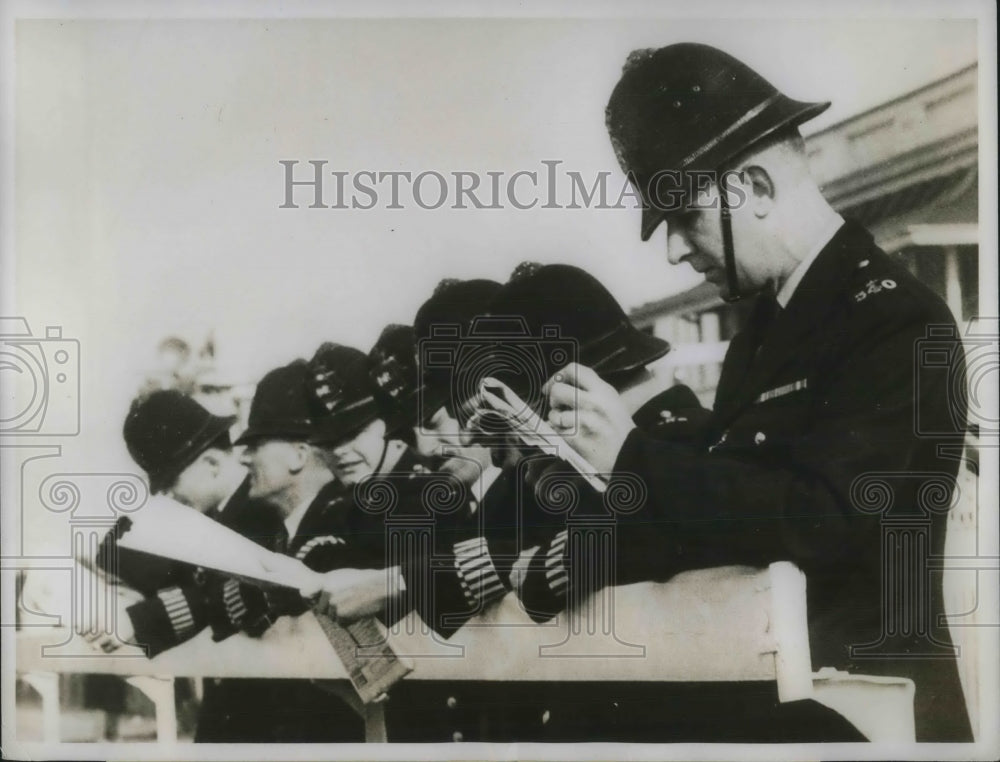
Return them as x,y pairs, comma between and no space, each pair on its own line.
677,245
341,449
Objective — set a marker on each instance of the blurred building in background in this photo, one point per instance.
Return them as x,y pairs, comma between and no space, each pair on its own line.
908,171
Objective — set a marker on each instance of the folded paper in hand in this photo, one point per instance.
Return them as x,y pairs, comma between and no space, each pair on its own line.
169,529
532,430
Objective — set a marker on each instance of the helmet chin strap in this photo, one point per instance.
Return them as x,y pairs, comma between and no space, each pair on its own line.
732,281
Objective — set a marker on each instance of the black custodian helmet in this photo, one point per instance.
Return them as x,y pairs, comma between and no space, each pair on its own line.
167,430
578,312
342,393
447,320
281,407
392,366
691,107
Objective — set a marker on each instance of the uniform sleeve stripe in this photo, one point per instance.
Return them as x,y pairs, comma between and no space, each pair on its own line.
178,611
318,541
489,594
485,589
474,544
471,575
494,593
559,584
487,572
466,591
236,610
474,564
465,556
231,592
552,561
477,575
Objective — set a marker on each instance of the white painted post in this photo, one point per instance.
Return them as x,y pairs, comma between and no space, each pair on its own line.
160,691
47,685
790,632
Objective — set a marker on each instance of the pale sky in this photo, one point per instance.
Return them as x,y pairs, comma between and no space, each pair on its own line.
148,185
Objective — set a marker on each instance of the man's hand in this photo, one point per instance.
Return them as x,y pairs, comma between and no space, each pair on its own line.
520,569
348,595
124,630
579,399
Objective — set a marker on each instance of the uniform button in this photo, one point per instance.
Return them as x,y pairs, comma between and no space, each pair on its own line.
452,702
759,437
217,681
457,736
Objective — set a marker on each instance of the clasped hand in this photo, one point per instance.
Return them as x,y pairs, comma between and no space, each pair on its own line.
348,595
589,414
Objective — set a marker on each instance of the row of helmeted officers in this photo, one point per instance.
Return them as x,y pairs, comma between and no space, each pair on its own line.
393,471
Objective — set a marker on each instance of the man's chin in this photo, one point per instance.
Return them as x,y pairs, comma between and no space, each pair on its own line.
351,476
718,279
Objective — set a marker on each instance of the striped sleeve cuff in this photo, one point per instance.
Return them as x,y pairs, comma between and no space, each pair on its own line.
555,565
478,576
178,611
318,542
232,598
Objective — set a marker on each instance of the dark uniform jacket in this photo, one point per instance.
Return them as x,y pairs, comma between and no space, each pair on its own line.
300,711
455,554
181,600
833,443
176,604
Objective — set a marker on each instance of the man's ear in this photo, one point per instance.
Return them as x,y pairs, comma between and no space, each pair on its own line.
762,190
212,459
298,455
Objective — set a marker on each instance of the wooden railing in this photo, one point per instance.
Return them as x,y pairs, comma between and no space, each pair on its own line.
726,624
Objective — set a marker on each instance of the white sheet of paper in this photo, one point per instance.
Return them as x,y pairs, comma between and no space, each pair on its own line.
167,528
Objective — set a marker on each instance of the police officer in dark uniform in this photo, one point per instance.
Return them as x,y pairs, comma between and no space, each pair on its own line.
287,469
583,710
358,446
436,591
461,578
474,541
186,453
820,399
401,507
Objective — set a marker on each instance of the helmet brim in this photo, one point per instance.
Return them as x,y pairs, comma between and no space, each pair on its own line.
740,138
